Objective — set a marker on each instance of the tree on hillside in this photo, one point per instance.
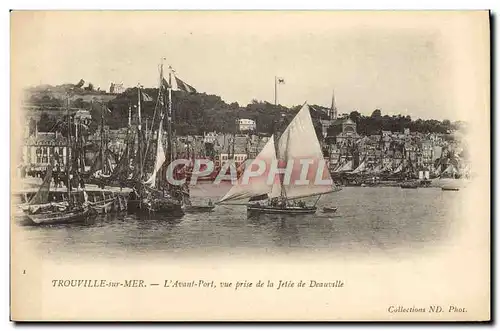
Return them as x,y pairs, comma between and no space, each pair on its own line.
355,116
376,113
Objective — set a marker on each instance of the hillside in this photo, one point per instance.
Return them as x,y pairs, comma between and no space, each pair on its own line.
197,113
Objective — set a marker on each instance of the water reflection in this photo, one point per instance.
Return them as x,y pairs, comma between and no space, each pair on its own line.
367,219
283,228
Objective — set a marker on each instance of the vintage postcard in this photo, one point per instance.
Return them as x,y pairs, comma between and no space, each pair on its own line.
250,166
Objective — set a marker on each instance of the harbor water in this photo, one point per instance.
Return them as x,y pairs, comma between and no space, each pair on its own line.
368,220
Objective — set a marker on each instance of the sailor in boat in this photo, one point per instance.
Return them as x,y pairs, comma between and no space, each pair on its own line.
55,176
133,195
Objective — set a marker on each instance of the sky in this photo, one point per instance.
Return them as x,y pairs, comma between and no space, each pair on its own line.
416,64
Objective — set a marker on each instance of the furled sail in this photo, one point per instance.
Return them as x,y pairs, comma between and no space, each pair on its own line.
299,144
160,157
255,186
122,169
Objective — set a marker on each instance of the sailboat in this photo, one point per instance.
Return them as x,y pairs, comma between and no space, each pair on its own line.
155,194
101,168
279,196
41,211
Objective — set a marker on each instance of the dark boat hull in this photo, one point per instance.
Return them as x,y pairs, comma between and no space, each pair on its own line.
137,206
450,189
60,217
198,209
329,210
281,210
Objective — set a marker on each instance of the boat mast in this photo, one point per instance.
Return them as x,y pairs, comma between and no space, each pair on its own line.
278,135
129,116
139,129
101,152
170,150
68,147
159,142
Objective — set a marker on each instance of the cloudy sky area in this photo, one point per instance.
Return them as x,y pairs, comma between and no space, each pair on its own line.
413,64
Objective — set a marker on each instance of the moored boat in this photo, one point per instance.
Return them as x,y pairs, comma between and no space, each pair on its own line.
103,207
329,209
409,185
71,209
69,215
450,188
269,209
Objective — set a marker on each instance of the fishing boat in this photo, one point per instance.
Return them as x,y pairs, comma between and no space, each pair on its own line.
42,211
102,165
329,209
450,188
277,196
67,214
156,194
104,205
410,185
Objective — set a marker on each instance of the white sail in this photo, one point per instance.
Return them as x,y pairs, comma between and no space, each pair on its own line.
254,186
337,166
360,168
387,167
345,167
160,157
299,142
451,170
376,170
399,168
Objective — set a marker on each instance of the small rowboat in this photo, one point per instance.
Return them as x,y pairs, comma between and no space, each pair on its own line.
448,188
329,209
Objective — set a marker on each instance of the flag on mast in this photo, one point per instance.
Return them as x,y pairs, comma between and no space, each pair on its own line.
146,97
183,86
280,80
179,85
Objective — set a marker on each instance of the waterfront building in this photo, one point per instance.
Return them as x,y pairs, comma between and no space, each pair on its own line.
245,124
39,148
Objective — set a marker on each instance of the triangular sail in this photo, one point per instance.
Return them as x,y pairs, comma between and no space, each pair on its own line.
399,168
299,144
255,186
338,166
42,196
160,157
345,167
376,170
360,168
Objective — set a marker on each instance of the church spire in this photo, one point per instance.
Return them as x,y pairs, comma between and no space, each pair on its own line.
333,111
